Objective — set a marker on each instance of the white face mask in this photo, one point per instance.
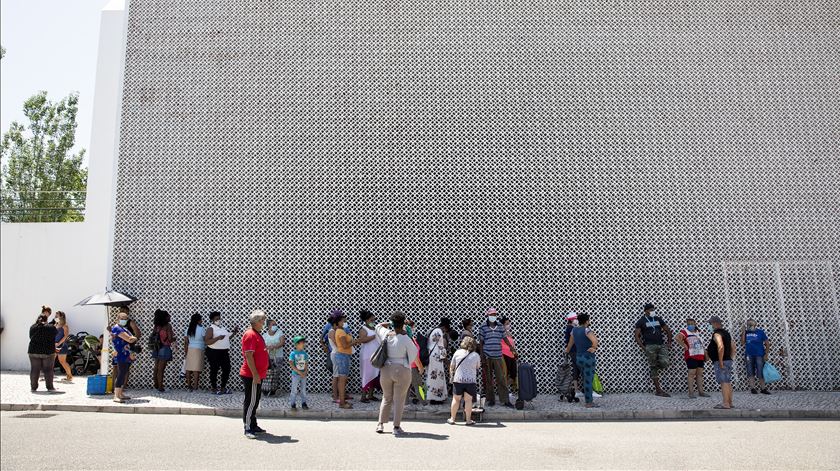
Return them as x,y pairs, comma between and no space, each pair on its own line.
575,323
217,322
491,319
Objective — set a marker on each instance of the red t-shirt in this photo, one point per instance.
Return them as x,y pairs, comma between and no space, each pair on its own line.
253,342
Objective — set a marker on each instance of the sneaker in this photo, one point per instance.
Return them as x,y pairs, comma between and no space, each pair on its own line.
594,394
398,432
702,394
753,391
508,404
293,407
450,421
692,396
249,434
224,391
258,430
491,403
764,391
379,428
305,407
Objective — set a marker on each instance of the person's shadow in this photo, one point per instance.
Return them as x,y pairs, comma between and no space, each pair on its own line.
427,436
275,439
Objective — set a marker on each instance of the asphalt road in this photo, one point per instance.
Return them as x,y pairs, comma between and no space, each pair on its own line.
74,440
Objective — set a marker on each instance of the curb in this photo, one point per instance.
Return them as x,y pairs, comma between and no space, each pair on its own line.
429,416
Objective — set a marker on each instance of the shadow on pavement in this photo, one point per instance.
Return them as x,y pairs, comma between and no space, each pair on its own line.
275,439
489,425
428,436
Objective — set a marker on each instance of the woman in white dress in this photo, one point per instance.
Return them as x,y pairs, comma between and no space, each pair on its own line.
435,373
275,340
370,342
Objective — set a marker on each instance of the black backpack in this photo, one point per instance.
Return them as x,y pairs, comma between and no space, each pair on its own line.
423,343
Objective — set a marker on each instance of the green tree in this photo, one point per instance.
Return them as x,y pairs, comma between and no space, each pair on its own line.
42,180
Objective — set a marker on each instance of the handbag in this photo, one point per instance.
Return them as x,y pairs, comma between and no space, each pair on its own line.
596,384
770,373
380,356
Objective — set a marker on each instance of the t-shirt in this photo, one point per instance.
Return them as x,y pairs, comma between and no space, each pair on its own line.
253,342
755,342
197,340
506,351
222,343
466,372
651,329
122,352
300,358
342,342
491,340
325,335
695,349
42,339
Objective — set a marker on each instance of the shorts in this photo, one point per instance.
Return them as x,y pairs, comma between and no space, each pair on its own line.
341,364
63,350
164,354
461,388
723,375
755,367
693,364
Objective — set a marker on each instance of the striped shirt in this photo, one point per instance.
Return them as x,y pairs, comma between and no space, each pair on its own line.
491,340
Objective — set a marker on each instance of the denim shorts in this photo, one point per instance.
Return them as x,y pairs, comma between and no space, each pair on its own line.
342,364
723,375
164,354
755,366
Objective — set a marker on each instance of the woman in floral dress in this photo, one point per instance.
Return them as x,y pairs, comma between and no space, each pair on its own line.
435,373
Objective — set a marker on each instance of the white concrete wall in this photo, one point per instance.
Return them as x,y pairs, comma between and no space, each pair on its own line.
58,264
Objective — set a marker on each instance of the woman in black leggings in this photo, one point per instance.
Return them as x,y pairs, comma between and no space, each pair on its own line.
217,339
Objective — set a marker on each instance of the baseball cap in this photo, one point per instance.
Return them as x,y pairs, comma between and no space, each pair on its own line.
572,315
491,311
648,306
299,338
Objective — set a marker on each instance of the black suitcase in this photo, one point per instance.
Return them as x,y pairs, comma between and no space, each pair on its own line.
527,383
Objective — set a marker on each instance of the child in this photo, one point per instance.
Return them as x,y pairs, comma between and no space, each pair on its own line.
299,363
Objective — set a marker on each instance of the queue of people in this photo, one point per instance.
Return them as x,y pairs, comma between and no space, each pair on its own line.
418,368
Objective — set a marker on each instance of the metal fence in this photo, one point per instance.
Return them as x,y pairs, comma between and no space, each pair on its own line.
42,206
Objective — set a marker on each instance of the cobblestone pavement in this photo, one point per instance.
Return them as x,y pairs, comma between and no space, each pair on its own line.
15,395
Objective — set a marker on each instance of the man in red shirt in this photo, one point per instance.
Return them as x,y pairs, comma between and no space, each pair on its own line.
254,369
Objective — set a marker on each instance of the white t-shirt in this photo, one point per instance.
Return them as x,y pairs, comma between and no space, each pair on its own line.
221,344
466,372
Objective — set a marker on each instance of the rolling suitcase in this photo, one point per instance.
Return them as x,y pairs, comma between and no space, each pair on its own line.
527,384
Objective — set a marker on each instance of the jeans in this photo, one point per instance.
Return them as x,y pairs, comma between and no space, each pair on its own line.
658,357
218,359
41,363
755,367
586,362
297,382
253,392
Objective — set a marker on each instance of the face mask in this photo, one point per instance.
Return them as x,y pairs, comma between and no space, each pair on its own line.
409,332
123,322
491,319
370,324
691,328
575,323
217,322
751,326
272,329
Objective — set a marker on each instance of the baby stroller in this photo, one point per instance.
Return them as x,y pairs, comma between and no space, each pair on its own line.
565,381
87,361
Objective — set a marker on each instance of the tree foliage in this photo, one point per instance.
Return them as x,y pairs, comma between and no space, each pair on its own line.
42,180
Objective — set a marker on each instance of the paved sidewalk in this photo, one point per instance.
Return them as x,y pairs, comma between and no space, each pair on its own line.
15,395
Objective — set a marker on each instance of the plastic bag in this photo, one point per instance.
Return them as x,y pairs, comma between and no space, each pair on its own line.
770,373
596,384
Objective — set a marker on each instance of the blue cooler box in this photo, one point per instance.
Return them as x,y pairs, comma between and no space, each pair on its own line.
96,385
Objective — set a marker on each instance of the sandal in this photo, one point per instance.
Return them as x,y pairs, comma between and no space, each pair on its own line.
346,405
450,421
471,422
118,400
721,406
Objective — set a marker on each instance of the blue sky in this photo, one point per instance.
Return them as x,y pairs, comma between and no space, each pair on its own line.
50,45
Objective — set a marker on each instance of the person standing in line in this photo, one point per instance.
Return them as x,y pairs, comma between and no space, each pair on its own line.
720,353
194,346
42,350
587,343
299,364
275,340
136,348
695,357
509,354
756,346
62,347
466,331
436,392
571,323
344,344
463,369
123,355
395,375
164,337
217,339
369,343
328,345
649,338
253,371
490,337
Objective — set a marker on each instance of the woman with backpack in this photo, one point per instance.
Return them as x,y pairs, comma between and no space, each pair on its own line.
436,376
160,343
